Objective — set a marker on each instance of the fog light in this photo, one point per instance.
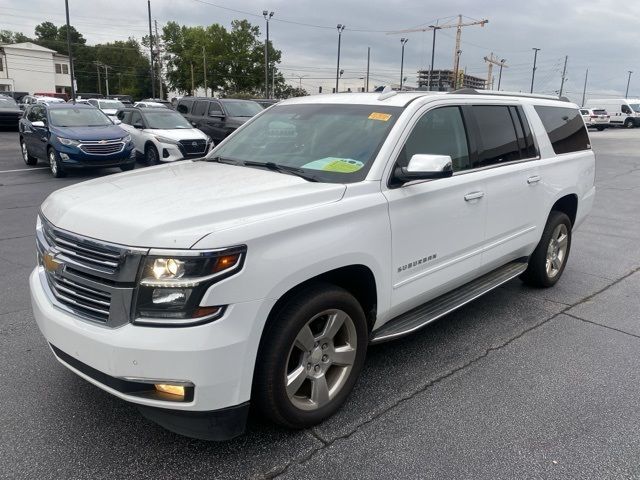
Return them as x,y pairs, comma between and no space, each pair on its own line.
170,389
64,156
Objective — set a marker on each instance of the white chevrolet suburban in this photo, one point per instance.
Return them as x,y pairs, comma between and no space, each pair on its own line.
261,273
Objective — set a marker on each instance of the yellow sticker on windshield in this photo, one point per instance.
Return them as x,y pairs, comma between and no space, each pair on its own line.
384,117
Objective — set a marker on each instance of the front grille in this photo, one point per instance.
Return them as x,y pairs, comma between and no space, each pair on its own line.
91,279
83,251
88,301
193,147
107,147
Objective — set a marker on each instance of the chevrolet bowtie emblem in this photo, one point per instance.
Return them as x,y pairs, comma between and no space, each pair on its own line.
102,142
51,263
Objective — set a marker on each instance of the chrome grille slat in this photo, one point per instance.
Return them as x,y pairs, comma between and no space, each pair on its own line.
73,302
89,259
66,290
59,240
85,288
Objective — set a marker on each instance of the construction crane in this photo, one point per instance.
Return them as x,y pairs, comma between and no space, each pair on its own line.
457,51
492,60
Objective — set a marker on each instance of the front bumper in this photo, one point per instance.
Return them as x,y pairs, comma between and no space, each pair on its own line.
217,358
72,157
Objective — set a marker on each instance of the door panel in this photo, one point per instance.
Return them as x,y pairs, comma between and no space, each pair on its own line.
437,225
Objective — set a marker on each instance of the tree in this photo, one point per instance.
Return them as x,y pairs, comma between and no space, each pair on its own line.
7,36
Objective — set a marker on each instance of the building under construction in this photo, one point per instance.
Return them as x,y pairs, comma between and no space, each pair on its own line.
442,80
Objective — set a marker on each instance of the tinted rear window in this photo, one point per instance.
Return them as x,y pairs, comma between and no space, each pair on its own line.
499,142
565,128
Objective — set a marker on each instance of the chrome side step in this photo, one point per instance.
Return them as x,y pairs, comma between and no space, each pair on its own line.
438,307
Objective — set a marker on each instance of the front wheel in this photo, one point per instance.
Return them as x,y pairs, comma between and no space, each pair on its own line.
55,164
151,156
600,128
28,159
310,356
629,123
548,260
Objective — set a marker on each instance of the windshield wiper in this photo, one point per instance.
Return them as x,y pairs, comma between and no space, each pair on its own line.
228,161
282,169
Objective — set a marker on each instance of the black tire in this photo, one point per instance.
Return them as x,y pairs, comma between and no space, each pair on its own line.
276,353
28,159
600,128
151,156
629,123
55,164
127,167
537,273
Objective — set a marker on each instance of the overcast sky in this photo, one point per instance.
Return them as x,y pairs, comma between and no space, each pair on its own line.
600,35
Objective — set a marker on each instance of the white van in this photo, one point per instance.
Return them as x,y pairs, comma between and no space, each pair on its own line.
623,111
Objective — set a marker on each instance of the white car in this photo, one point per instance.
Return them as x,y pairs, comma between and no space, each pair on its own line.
323,224
623,112
150,105
108,106
163,135
596,118
48,100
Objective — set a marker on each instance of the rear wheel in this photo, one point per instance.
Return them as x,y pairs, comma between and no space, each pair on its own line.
55,164
549,259
600,128
28,159
629,123
151,156
310,356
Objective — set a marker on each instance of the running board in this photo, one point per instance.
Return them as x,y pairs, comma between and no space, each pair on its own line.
438,307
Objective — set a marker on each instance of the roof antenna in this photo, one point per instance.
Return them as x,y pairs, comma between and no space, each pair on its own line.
387,92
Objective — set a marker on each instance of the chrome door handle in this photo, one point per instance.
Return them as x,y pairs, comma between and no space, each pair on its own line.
533,179
473,196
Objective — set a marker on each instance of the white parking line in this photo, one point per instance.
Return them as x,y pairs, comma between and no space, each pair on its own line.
24,169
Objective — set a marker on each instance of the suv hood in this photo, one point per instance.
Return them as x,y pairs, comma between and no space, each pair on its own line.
175,205
178,133
107,132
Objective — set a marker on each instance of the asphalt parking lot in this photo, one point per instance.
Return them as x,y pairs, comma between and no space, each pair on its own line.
521,383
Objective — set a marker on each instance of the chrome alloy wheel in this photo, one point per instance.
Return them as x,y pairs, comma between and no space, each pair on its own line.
52,162
557,250
25,153
321,359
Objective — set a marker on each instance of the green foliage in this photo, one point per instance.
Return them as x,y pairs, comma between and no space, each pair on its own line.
7,36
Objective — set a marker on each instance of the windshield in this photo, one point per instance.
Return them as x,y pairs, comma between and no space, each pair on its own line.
242,109
337,143
110,104
78,117
8,102
165,119
635,107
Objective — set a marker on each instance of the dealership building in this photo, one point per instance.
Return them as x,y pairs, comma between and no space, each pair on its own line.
27,67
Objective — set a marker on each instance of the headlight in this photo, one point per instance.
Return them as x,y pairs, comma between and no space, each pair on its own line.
172,284
165,140
68,142
126,139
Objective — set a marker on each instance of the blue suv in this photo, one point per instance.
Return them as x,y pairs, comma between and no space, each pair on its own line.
73,136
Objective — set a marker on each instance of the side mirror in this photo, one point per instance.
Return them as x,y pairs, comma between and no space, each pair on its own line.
117,121
38,124
139,126
425,167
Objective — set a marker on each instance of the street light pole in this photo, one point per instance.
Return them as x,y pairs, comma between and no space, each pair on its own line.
366,85
433,53
533,72
340,28
626,93
153,82
403,41
267,16
500,74
73,87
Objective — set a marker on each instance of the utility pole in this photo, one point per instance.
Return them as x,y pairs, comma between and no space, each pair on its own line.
403,41
98,65
626,93
204,68
564,73
158,61
106,77
340,28
73,78
492,60
533,72
193,90
153,83
584,89
433,53
273,80
457,51
267,16
366,85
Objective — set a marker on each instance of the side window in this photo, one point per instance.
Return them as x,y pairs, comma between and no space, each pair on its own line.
497,140
58,68
30,115
565,128
200,108
625,109
184,106
525,137
65,69
441,132
93,102
136,118
215,108
584,112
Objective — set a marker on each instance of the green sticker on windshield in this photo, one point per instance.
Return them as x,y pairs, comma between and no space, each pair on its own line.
332,164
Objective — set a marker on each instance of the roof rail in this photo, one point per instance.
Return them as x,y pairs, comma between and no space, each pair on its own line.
473,91
387,92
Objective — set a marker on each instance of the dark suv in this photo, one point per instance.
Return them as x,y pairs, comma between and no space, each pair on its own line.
73,136
217,117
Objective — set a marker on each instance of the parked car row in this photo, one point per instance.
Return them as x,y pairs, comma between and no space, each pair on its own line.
611,112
